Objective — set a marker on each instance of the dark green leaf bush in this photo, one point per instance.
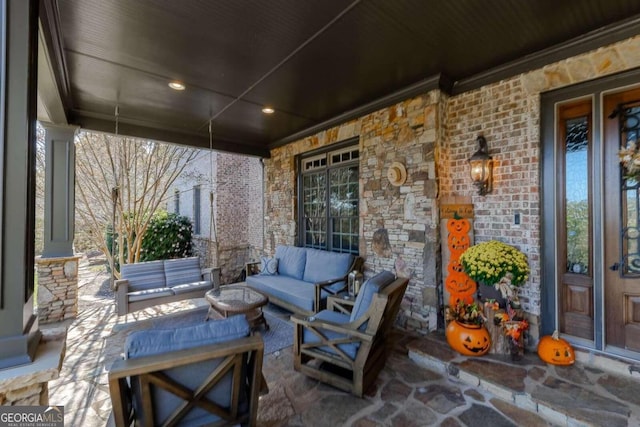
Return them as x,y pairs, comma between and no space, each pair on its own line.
168,236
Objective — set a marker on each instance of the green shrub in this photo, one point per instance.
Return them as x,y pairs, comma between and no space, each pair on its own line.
168,236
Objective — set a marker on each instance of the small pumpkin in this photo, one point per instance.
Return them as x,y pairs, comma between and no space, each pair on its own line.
470,340
556,351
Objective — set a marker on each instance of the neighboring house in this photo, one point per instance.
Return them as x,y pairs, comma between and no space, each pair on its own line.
236,182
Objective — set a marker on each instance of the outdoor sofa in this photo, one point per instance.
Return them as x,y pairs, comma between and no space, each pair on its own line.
146,284
304,277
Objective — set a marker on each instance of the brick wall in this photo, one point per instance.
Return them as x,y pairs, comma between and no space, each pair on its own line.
436,132
237,187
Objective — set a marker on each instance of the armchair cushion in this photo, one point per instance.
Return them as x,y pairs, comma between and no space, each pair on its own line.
291,261
158,341
182,270
323,265
144,275
365,296
350,349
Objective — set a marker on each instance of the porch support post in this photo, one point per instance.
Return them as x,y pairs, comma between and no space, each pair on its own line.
19,332
59,188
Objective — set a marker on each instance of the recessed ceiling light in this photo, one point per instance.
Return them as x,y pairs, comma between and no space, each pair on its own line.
176,86
268,110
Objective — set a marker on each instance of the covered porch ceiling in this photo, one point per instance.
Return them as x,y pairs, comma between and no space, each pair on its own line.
317,63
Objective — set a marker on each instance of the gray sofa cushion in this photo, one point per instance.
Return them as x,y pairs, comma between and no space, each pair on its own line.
147,343
149,294
144,275
202,285
350,349
294,291
324,265
291,261
370,287
182,270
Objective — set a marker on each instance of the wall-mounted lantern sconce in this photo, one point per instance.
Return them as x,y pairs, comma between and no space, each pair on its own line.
480,165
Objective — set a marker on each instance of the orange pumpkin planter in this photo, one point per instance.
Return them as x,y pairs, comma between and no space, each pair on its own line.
556,351
470,340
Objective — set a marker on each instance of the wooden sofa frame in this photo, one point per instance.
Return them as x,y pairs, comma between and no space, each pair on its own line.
252,268
248,351
372,352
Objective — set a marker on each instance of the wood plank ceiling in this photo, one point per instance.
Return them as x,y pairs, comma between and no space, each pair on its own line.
316,62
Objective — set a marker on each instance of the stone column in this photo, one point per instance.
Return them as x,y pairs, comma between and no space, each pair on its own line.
57,289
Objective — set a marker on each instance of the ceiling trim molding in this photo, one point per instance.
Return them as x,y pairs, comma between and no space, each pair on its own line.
440,81
576,46
201,141
50,22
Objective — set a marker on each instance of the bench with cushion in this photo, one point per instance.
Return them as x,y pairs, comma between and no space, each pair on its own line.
304,277
146,284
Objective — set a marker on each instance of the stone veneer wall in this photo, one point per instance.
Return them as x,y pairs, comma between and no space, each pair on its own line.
57,289
399,225
436,129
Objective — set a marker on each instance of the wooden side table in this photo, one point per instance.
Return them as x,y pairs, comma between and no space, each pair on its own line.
342,303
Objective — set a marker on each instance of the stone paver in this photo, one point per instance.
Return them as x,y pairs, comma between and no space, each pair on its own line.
405,394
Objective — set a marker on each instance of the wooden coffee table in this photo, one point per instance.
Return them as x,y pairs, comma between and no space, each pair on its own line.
238,299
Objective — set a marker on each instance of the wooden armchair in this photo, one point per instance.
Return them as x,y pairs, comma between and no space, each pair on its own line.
214,384
355,344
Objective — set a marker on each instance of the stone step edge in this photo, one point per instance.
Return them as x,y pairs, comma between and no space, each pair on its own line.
522,400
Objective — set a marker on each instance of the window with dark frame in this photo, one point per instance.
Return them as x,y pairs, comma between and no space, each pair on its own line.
196,209
329,200
176,201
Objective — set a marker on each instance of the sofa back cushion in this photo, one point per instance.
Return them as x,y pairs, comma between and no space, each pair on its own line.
144,275
291,261
182,271
325,265
153,342
370,287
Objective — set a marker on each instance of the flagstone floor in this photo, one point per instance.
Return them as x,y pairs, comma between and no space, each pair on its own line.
405,394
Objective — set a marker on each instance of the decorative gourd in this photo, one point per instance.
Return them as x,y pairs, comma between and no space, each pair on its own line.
470,340
556,351
458,226
460,285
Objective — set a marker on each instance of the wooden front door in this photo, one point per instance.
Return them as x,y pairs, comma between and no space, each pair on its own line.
621,196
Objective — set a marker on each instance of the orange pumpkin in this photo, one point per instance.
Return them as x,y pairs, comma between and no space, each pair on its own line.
458,226
460,284
470,340
458,243
556,351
